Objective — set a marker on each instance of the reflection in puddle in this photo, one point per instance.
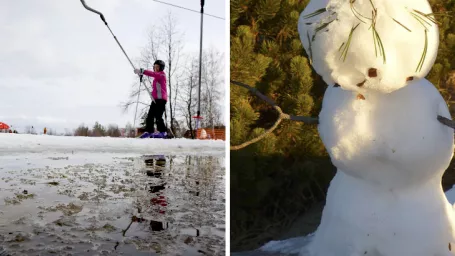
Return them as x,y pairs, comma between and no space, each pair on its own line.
158,225
155,165
157,188
152,205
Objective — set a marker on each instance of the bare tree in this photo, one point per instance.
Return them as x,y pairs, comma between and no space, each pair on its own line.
82,130
189,93
129,131
173,47
211,91
213,81
113,130
178,130
28,129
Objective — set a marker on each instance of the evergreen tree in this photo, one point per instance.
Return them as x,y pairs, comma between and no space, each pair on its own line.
266,53
287,173
98,130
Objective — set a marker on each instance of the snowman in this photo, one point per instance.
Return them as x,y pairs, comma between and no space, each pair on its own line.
379,125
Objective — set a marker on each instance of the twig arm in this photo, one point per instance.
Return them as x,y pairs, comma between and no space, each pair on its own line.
446,121
282,116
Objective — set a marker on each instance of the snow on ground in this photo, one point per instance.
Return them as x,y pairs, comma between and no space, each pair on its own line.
111,196
293,246
27,143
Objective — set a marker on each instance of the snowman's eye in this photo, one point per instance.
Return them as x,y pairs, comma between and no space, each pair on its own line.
372,72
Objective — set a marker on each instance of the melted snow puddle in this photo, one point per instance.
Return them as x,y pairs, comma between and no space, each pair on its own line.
100,204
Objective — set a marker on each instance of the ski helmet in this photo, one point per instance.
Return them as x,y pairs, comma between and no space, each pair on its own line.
160,63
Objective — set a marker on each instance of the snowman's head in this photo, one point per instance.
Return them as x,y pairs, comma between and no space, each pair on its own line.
368,45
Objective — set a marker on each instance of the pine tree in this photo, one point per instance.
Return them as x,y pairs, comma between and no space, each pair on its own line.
98,130
242,56
266,53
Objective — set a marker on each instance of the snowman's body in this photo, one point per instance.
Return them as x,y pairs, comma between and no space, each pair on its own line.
390,150
347,59
392,140
370,220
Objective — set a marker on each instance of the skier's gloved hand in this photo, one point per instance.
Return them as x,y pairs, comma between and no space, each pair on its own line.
139,71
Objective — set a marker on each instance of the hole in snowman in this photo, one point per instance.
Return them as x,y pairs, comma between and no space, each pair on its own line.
360,97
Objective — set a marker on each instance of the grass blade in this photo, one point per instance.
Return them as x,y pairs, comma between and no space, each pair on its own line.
402,25
346,47
372,5
424,54
439,14
374,38
315,13
355,12
381,46
316,31
322,26
311,51
428,16
420,20
339,49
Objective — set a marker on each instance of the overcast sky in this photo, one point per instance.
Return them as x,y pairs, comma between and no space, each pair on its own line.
60,66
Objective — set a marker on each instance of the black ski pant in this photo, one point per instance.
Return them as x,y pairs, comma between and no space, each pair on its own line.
156,113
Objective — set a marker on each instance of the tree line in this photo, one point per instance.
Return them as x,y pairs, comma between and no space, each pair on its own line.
98,130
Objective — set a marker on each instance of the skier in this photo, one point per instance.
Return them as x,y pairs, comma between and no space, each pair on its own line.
158,106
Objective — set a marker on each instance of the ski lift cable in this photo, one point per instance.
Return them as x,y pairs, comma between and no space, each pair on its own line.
214,16
126,55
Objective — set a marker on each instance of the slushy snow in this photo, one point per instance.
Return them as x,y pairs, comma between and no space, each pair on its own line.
26,143
346,49
293,246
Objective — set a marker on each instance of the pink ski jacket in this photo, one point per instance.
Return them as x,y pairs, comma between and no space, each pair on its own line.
159,84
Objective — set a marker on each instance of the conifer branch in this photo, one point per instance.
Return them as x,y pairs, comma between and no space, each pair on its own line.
282,116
